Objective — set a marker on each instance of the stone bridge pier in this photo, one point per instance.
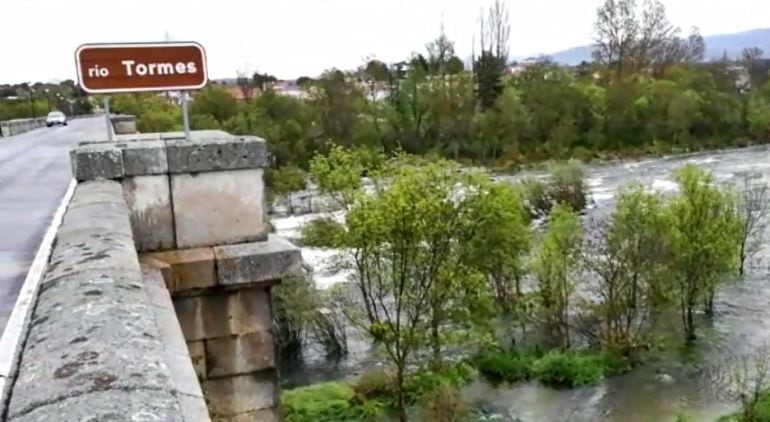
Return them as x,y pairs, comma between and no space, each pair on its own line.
156,303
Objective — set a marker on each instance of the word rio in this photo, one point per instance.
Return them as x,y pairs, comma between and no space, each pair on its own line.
98,72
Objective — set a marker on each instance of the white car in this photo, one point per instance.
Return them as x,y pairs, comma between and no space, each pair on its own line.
56,118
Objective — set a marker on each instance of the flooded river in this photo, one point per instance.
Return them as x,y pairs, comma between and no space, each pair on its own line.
681,381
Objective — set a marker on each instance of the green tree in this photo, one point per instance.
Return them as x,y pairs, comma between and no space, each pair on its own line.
554,262
398,253
491,65
215,102
758,113
503,128
499,241
627,263
338,102
704,239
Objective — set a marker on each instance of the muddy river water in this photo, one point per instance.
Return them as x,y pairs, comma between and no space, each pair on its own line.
687,381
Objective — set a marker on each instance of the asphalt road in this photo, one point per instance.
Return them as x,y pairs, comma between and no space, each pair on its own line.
34,175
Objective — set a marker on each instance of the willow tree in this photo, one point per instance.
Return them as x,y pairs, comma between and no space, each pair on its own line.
628,261
554,263
408,279
704,240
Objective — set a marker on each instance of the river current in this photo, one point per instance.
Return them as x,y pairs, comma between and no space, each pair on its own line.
692,381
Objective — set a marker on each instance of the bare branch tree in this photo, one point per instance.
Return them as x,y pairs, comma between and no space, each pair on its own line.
750,377
245,83
616,31
753,208
631,39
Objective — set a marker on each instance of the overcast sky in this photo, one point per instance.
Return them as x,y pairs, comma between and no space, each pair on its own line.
291,38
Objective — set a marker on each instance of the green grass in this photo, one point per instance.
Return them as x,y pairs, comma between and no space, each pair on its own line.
561,369
372,396
331,401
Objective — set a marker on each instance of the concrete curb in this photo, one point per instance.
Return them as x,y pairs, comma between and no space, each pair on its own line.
12,340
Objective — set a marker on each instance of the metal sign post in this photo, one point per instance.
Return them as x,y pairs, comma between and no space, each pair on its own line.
185,117
107,117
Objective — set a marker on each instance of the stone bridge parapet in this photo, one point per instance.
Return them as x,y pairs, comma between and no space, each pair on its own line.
156,301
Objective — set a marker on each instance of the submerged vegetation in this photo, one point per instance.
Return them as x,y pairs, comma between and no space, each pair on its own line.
444,260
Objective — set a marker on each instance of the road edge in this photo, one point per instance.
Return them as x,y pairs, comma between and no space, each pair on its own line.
15,332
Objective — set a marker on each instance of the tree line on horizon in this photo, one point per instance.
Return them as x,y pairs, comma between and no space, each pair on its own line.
646,92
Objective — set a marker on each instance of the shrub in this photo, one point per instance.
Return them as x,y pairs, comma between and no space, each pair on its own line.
328,402
505,366
567,369
556,368
536,197
284,180
444,404
328,329
294,301
379,383
324,232
424,381
567,185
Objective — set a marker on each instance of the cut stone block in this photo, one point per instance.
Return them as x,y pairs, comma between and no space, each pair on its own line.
155,287
196,135
171,333
241,394
123,124
183,378
149,202
194,409
143,158
244,354
218,208
97,161
224,314
189,268
246,263
155,264
197,351
216,153
117,404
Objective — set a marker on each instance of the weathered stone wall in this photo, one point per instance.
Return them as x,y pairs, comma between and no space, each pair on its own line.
197,211
121,336
223,303
19,126
104,343
182,194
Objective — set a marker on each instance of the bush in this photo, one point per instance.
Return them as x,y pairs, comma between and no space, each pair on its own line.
444,404
424,381
374,384
566,369
322,232
536,197
295,301
327,402
567,185
505,366
328,329
556,368
284,180
759,411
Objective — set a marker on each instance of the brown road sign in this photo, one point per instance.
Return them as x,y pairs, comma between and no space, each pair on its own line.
106,68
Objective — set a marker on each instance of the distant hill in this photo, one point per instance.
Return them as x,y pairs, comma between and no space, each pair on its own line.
715,46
